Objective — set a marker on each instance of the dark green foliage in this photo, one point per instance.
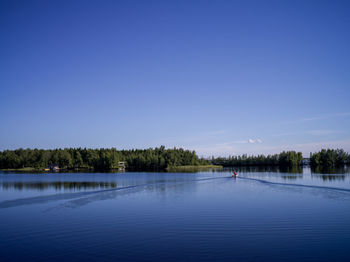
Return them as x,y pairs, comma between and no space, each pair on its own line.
290,158
330,158
324,158
157,159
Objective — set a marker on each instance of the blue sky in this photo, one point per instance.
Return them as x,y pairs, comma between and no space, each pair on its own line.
219,77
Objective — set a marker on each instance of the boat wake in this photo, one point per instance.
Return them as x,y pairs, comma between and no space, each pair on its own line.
82,198
84,195
297,185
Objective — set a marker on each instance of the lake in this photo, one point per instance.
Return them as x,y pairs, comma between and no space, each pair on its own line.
263,215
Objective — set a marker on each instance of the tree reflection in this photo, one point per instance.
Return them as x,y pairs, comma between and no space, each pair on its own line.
330,170
58,185
265,169
332,177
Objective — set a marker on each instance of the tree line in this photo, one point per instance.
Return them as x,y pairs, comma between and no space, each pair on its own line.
152,159
323,158
284,159
156,159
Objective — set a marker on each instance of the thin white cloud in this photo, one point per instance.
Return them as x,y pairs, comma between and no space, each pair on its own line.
286,134
240,142
317,132
325,116
254,141
322,132
319,117
313,118
251,141
204,136
344,114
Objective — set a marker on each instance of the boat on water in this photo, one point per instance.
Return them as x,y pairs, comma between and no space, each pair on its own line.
234,174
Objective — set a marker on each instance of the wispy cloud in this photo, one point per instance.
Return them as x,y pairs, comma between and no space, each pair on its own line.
203,136
323,132
312,118
286,134
343,114
319,117
317,132
240,142
249,141
253,141
325,116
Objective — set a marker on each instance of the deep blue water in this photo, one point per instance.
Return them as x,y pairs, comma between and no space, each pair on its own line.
207,216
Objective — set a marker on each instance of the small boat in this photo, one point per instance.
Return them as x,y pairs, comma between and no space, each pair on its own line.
234,174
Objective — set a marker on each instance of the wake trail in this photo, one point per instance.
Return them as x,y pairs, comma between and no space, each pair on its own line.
68,196
297,185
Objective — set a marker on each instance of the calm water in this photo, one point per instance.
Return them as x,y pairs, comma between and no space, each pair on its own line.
209,216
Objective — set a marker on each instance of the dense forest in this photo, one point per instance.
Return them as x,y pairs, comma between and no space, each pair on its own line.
152,159
284,159
155,159
330,158
323,158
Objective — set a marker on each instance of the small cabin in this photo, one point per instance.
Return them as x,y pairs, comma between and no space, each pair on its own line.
121,166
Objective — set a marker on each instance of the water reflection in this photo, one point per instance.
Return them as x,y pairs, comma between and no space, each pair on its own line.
263,169
291,177
292,170
330,177
58,185
77,199
330,170
151,216
289,170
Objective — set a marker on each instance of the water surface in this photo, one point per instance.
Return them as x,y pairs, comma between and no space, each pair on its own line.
263,215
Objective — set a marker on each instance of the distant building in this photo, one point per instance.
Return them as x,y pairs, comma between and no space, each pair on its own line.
305,161
54,168
121,166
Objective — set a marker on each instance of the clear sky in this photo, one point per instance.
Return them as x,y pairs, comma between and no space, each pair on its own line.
219,77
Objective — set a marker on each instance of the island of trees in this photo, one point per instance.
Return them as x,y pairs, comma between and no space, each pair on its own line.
155,159
289,158
330,158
